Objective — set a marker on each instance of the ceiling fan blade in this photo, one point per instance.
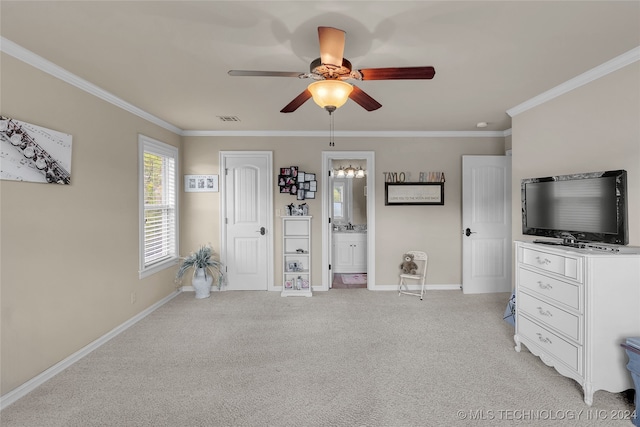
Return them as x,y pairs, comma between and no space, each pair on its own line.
297,102
361,98
249,73
331,45
398,73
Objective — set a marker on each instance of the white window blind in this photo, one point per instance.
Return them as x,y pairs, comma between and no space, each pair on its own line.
159,216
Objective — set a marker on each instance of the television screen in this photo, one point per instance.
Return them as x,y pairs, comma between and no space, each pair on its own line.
585,205
581,207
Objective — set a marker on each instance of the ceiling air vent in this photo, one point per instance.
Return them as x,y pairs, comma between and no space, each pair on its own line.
229,118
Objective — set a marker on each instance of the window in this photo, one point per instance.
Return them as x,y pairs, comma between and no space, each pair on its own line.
158,173
342,200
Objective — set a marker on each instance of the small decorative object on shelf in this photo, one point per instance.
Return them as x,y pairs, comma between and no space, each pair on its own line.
300,210
297,183
296,256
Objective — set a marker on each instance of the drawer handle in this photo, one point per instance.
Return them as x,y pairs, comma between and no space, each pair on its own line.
544,312
543,339
543,261
544,285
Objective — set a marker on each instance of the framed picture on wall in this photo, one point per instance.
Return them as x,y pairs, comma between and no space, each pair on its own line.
201,183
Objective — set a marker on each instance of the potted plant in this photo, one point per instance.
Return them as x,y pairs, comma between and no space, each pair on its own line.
205,266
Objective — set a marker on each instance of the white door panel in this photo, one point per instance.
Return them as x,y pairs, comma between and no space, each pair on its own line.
248,221
486,218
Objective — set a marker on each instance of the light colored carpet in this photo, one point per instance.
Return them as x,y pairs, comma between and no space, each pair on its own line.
341,358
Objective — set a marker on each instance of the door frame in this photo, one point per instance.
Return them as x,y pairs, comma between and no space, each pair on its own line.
268,155
327,158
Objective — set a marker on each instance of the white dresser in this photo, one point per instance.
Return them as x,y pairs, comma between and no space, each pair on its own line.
574,307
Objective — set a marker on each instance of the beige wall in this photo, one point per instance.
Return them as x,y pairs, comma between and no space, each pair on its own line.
595,127
70,253
436,229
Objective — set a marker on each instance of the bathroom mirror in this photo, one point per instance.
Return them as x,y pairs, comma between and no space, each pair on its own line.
349,195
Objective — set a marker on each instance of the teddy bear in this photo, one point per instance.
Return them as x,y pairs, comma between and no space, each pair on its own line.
408,266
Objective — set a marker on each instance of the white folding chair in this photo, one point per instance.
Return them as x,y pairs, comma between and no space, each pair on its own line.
420,258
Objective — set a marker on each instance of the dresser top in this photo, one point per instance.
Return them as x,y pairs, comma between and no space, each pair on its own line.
584,248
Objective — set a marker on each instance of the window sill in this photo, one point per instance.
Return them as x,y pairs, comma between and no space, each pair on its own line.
155,268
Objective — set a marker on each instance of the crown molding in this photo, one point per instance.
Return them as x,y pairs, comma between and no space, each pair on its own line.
24,55
349,134
587,77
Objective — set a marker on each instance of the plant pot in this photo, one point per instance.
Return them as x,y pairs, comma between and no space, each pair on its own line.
202,284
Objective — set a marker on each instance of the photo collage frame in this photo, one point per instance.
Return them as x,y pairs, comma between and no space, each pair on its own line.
301,184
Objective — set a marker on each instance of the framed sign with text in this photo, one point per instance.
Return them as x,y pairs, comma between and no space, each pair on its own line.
414,193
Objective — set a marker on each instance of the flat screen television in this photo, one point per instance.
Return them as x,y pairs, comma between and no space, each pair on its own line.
586,207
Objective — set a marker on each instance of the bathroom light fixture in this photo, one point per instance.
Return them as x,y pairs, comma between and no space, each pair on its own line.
349,172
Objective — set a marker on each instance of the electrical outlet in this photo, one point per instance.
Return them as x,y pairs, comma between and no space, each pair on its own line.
278,212
133,297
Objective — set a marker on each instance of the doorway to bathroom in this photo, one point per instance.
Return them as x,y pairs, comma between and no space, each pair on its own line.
348,219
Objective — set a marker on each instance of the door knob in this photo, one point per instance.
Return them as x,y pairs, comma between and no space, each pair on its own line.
468,232
262,231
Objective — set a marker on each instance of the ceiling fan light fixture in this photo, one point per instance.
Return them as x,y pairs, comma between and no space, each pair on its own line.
330,93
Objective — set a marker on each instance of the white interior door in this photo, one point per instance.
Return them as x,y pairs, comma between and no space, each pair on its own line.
248,220
486,224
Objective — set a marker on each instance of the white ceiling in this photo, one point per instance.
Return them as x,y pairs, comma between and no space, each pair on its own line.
170,58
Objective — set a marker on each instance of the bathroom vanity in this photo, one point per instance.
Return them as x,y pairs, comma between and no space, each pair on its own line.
349,252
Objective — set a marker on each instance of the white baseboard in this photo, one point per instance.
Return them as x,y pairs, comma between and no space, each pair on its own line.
40,379
432,287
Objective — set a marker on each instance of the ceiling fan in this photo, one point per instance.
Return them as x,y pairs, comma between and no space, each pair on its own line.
330,71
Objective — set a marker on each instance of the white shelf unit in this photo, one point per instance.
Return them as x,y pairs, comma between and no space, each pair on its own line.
296,256
574,307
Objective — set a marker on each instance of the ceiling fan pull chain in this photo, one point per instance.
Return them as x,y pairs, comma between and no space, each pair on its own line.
332,142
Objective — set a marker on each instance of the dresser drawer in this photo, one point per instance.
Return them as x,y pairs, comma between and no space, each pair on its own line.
552,344
559,264
557,290
567,323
